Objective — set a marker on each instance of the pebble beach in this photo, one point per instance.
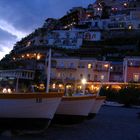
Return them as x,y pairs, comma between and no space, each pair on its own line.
112,123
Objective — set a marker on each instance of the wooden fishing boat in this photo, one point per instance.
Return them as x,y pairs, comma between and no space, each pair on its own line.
96,106
28,109
73,109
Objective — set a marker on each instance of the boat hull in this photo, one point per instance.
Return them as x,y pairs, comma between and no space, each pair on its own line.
96,106
73,109
27,108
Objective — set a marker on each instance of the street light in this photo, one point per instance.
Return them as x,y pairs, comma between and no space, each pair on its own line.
84,81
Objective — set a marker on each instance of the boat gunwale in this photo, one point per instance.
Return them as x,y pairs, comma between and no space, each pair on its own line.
30,95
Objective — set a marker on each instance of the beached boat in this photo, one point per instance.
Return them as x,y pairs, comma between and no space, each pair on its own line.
73,109
96,106
29,109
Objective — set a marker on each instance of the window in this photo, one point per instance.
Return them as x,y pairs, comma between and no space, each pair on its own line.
136,77
88,76
89,66
41,41
81,75
70,75
96,24
102,77
95,78
58,75
61,64
71,65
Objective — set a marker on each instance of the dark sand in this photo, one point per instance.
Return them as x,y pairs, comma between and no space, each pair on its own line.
112,123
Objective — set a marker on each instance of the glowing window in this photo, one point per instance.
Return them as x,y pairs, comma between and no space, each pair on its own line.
102,77
136,77
89,66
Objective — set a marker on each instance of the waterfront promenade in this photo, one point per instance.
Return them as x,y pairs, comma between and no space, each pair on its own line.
112,123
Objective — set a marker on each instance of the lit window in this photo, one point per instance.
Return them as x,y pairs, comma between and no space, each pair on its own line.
89,66
53,86
136,77
102,77
106,65
60,85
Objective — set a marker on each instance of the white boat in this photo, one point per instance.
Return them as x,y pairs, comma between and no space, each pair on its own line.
17,110
73,109
96,106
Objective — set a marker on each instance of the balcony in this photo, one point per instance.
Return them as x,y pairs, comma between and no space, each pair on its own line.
69,79
101,69
65,68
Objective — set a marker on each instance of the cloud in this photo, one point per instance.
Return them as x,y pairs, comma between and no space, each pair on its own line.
20,17
12,30
4,36
7,40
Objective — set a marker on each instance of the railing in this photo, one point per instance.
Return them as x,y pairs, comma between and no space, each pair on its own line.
69,79
66,67
22,74
100,69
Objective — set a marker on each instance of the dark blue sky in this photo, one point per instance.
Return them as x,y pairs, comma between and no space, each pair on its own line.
20,17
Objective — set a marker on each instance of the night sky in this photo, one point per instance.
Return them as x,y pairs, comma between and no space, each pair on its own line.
20,17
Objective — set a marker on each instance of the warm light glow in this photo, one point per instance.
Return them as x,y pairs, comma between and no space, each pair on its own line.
88,15
38,57
14,58
9,90
89,66
28,55
107,87
117,87
83,81
41,86
102,77
136,77
60,85
4,90
53,86
80,87
22,56
106,65
68,86
92,87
